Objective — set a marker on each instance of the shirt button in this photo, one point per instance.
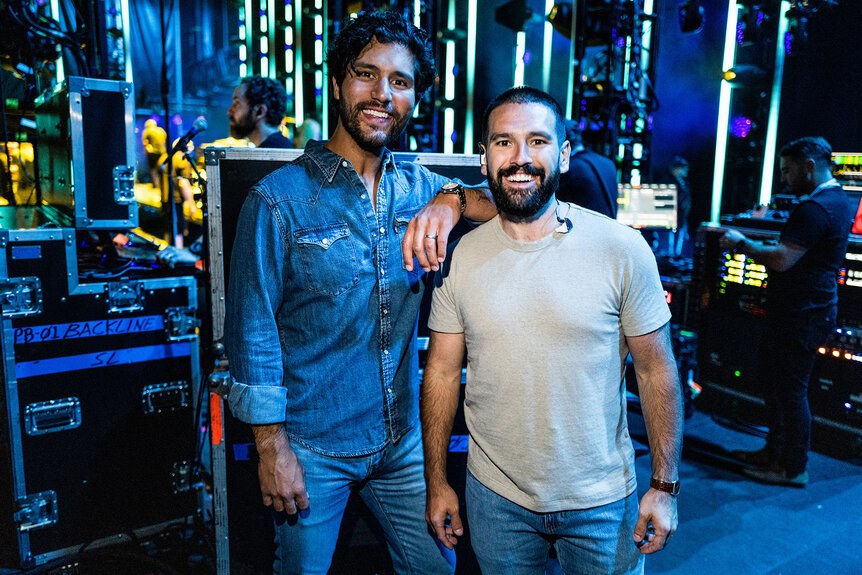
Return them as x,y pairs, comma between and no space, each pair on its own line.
388,390
362,196
382,230
324,241
383,272
344,163
385,311
385,352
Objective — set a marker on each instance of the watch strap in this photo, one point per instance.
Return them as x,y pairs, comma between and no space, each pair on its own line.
455,188
671,487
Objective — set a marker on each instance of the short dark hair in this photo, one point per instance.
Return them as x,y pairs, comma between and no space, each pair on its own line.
387,27
817,150
525,95
678,162
267,92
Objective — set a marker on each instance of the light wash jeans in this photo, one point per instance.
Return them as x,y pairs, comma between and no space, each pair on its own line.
392,484
511,540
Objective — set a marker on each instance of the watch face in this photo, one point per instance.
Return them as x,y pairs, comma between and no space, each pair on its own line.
450,187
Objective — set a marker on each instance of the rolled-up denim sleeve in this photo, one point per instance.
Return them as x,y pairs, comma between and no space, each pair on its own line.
254,296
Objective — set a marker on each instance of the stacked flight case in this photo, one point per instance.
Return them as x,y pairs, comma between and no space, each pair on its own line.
244,532
100,367
97,417
86,152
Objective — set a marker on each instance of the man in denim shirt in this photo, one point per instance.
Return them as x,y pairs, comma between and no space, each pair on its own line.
322,310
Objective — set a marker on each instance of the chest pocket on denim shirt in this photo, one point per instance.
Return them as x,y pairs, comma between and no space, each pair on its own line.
328,258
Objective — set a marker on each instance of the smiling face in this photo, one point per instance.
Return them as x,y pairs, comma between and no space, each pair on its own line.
377,97
523,159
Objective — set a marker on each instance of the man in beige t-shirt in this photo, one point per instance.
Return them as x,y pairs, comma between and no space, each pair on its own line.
549,299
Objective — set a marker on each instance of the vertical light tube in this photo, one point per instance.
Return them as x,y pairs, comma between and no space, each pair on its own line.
298,106
548,40
417,13
448,129
449,83
61,70
520,47
318,44
248,38
270,14
723,111
774,107
324,98
127,39
570,92
646,46
628,60
471,75
289,53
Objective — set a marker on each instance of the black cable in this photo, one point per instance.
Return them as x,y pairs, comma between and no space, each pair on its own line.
64,38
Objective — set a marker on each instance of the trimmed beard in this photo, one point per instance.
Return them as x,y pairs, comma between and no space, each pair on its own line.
349,116
521,206
243,128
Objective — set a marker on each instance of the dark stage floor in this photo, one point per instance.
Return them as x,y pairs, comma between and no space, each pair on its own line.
731,525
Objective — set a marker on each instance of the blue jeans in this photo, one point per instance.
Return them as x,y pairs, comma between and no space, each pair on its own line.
511,540
392,484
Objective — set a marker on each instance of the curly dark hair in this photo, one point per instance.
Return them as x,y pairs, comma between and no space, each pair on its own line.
526,95
817,150
387,27
266,91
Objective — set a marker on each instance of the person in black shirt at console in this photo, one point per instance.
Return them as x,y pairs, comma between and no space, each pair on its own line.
801,302
591,181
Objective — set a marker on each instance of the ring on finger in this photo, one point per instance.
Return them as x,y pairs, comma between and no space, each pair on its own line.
431,236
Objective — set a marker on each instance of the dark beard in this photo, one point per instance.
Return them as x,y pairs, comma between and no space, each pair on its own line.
350,118
518,206
243,128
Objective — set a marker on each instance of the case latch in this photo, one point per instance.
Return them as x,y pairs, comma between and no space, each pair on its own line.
181,476
52,416
36,511
124,185
180,323
165,397
125,296
21,297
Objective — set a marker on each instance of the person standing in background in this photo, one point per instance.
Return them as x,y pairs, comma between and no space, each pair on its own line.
591,181
256,112
154,139
801,305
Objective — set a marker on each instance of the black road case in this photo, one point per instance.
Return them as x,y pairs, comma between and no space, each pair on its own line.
86,152
243,524
97,433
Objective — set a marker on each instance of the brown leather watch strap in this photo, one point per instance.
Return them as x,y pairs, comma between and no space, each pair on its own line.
671,487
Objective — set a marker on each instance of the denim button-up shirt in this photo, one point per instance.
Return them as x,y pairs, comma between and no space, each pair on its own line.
321,314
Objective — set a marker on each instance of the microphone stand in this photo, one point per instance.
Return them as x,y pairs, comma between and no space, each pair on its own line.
168,202
171,203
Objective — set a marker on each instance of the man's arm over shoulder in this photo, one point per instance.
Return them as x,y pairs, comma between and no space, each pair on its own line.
661,401
427,234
